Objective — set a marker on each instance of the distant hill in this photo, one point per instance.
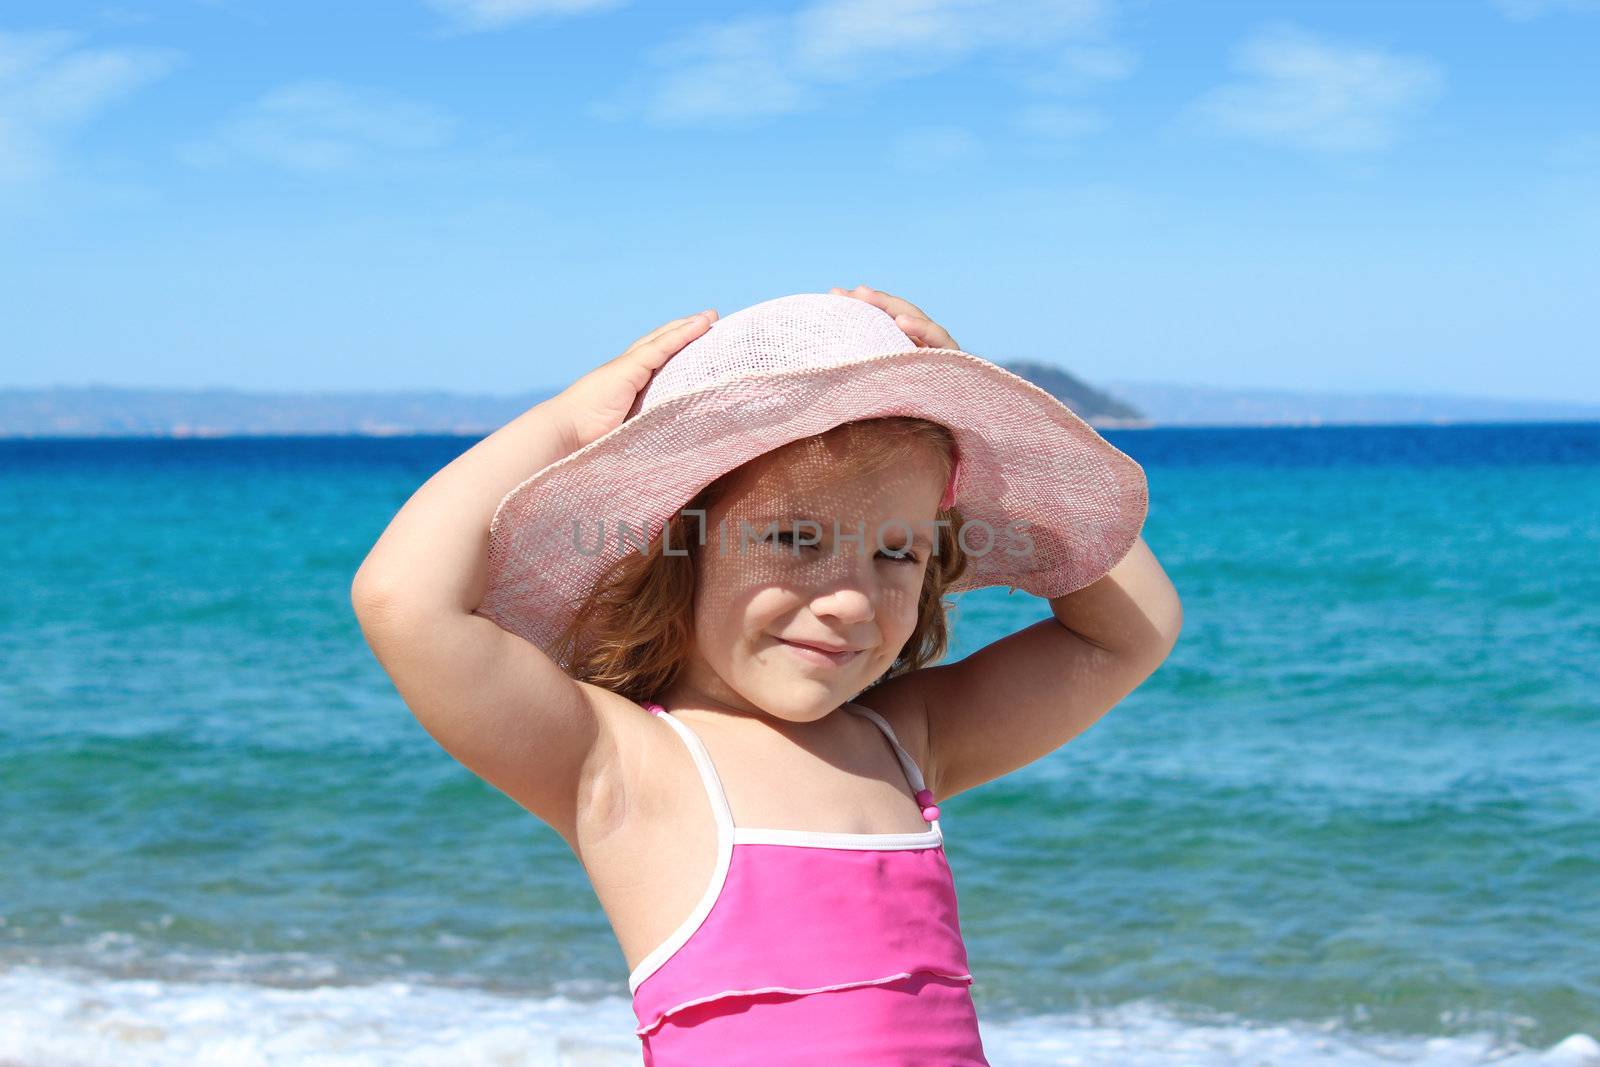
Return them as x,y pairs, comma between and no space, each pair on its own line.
1199,405
1094,406
111,411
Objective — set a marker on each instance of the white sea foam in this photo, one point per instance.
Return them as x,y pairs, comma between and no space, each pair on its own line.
63,1018
1150,1036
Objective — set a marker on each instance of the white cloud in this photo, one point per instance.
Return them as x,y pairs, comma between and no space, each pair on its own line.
848,40
49,87
1523,10
736,71
122,16
1326,96
1079,67
495,14
761,65
320,127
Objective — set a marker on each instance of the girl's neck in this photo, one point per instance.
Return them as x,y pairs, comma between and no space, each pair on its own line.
750,722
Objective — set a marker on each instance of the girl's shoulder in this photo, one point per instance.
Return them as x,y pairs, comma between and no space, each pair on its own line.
627,762
902,706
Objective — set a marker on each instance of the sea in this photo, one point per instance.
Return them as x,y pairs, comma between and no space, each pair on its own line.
1353,820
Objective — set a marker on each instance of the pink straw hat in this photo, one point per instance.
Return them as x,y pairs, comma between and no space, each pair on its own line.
789,368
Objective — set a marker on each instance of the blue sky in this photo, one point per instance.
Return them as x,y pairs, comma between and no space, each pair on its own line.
498,195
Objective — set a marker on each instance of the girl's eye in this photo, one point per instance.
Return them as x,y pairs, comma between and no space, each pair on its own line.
786,537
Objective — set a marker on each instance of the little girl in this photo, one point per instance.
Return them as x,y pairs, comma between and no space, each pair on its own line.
684,613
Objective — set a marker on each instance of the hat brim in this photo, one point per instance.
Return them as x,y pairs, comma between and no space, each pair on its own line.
1026,458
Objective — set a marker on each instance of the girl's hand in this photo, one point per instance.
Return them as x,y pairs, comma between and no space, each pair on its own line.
598,402
912,320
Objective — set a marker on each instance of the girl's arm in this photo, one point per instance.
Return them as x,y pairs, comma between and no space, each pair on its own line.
494,701
1026,695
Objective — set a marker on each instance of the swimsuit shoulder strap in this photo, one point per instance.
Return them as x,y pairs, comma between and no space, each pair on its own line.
913,774
702,762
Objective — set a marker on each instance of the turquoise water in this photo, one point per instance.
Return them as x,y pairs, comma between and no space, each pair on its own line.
1354,818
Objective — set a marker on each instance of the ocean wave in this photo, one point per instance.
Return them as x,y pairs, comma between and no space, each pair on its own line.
51,1017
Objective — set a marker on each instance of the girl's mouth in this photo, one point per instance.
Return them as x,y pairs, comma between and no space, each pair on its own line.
817,655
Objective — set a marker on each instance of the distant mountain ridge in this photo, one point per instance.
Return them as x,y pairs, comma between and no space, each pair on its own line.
1167,404
114,411
1096,406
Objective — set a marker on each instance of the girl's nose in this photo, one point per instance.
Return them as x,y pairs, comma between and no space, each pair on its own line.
846,602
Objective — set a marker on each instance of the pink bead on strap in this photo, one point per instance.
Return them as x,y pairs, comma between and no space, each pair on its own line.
930,810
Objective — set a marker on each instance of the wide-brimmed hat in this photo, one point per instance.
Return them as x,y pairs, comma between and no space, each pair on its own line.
793,367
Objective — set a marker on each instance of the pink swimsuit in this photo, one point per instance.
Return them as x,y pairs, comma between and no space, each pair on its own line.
810,948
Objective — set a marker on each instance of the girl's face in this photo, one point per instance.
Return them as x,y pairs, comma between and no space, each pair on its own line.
764,588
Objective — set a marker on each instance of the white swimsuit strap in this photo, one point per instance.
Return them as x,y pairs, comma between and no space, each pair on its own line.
708,770
910,765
